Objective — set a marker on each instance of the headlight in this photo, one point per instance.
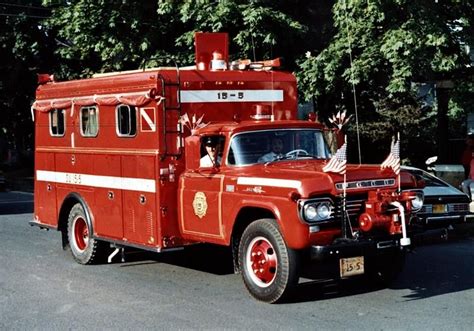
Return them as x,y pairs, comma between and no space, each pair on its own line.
317,211
324,210
310,212
417,201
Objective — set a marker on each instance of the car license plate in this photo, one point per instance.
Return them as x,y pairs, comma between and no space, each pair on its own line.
438,209
351,266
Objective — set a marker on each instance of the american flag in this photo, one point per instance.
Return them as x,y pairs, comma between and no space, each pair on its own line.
393,159
337,163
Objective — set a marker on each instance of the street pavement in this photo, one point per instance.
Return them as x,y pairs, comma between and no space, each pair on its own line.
42,288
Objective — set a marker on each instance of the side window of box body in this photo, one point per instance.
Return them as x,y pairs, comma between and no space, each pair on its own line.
57,122
126,121
89,121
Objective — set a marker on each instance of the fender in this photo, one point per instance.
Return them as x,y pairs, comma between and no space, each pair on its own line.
296,233
70,200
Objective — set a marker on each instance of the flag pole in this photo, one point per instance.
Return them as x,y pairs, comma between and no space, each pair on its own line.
344,208
399,172
344,194
337,164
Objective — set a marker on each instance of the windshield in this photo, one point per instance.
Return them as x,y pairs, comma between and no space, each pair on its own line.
268,146
429,179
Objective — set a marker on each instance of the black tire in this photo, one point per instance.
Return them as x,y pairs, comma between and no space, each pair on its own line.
262,245
84,248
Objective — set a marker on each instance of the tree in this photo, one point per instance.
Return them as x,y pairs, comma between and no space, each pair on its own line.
76,38
23,48
380,49
95,36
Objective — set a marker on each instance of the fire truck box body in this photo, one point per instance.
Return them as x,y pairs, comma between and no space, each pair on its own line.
116,163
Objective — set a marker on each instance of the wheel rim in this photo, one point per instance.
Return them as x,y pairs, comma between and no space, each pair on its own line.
262,262
81,233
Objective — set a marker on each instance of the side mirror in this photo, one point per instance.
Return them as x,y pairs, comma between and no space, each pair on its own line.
431,160
192,149
467,187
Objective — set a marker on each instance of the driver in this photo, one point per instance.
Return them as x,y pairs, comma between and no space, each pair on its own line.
211,158
277,151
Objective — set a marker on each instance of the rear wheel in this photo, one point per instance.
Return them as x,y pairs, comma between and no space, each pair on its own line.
84,248
269,268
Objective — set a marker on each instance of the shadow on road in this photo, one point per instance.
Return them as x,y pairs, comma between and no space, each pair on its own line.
203,257
429,271
439,269
15,203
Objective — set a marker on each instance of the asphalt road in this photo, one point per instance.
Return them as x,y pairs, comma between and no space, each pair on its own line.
41,287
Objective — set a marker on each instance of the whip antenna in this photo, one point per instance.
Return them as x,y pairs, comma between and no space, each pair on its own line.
353,86
253,49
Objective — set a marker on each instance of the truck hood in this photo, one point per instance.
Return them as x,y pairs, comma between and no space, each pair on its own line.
308,178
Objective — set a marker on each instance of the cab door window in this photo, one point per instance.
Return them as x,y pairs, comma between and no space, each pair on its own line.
89,121
57,122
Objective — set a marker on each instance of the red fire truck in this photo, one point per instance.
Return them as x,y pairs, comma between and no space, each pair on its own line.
118,164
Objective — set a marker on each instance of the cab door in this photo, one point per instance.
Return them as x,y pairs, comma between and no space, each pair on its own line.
200,213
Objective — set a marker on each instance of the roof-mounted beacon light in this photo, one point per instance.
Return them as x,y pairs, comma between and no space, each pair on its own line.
218,62
211,50
313,117
262,112
45,78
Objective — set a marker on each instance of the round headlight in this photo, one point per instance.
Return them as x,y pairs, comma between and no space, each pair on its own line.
324,210
417,201
310,212
317,211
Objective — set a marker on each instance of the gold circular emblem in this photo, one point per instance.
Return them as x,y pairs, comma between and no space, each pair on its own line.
200,204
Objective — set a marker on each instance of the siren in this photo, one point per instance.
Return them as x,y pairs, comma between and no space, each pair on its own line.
218,62
45,78
262,112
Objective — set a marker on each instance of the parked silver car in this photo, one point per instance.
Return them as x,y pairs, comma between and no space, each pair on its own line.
444,205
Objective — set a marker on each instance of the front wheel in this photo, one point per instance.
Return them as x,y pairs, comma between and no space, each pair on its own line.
85,249
269,268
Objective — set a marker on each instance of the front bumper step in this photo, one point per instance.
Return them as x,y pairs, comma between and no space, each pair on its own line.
351,248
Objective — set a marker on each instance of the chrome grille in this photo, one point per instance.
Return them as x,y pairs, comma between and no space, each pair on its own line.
426,209
451,208
353,207
458,207
370,183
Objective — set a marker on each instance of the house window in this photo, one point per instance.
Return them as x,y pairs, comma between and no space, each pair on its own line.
89,121
57,122
126,119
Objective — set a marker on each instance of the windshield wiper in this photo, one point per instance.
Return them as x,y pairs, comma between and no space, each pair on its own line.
294,157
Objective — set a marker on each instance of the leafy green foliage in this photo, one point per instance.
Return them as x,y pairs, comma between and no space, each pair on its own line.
24,51
379,49
99,36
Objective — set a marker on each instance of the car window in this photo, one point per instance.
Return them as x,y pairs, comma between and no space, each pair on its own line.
429,179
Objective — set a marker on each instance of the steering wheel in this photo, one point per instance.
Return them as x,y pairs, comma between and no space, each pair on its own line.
294,153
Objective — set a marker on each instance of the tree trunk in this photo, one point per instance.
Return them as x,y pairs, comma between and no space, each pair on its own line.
442,95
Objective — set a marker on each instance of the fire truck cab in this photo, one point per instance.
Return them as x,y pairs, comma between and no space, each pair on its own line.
162,158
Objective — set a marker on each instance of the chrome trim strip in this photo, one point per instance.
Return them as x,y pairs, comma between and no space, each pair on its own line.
442,218
369,183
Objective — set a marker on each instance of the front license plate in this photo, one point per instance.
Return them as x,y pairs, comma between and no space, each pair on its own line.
351,266
439,209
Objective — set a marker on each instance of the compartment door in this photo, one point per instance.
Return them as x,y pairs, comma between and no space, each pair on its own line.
201,206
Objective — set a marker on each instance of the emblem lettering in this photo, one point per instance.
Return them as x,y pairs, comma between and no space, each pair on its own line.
200,204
